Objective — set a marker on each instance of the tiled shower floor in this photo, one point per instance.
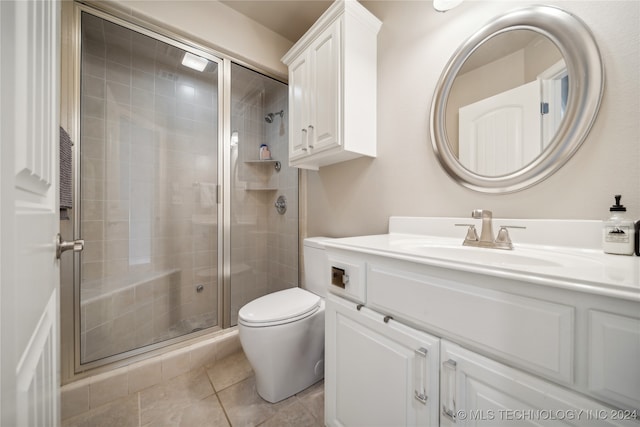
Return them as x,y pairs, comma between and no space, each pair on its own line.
222,394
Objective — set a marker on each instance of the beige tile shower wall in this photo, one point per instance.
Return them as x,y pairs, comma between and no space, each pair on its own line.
282,243
138,313
248,224
148,175
263,243
414,44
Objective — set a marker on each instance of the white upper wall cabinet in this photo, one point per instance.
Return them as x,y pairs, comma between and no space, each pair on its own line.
332,88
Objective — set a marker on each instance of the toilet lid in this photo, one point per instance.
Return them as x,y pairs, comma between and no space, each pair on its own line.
279,307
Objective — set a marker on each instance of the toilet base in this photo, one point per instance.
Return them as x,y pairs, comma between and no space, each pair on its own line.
288,358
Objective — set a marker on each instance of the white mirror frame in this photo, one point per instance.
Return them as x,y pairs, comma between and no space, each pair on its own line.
586,84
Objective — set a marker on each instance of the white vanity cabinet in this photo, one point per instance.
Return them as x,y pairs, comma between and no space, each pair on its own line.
378,372
513,349
332,88
476,390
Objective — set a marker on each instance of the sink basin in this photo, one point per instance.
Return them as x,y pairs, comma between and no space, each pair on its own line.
483,255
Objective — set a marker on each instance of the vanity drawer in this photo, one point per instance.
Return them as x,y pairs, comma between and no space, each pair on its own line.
534,334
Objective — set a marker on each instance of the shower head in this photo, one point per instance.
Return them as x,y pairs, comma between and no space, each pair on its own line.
269,117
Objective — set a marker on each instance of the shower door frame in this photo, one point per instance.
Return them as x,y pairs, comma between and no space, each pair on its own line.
71,110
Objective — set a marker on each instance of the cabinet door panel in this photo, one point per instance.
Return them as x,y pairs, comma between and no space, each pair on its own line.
298,115
483,392
614,358
374,370
324,94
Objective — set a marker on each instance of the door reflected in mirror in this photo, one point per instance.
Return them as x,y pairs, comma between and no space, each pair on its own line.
507,102
554,53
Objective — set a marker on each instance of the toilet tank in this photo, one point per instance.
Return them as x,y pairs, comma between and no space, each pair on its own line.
316,270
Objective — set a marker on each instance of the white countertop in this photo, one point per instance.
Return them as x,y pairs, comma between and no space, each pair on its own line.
582,269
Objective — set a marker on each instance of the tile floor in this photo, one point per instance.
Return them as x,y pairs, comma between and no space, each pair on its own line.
222,394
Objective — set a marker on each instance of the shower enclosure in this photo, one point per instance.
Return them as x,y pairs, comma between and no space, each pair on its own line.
264,242
175,198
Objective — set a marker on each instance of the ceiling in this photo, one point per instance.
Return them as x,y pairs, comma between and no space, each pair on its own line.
289,18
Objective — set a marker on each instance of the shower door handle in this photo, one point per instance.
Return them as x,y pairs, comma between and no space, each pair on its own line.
62,246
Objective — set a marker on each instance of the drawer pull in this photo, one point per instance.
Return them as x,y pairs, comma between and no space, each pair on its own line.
420,393
359,307
449,392
387,318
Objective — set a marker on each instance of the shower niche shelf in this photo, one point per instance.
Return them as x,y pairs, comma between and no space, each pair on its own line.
258,187
276,163
270,161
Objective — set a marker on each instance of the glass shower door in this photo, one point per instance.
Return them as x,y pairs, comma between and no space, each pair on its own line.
264,240
148,190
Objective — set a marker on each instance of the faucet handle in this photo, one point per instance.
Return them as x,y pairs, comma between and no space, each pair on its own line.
503,240
472,234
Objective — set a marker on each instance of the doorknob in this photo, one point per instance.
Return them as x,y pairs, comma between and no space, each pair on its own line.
61,246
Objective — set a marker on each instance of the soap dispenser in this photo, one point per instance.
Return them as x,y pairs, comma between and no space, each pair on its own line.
617,235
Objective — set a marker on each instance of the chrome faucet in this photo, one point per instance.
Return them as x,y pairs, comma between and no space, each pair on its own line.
486,240
486,232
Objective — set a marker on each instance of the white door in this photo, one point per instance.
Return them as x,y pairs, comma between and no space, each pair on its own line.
501,134
477,391
29,270
378,373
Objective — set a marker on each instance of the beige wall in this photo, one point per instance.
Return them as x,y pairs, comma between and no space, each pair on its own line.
414,44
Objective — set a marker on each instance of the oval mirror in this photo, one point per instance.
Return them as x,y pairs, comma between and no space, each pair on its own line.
516,100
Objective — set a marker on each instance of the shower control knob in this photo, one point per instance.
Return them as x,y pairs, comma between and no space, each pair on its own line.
281,205
62,246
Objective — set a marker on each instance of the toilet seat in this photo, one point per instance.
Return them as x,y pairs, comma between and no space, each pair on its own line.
279,308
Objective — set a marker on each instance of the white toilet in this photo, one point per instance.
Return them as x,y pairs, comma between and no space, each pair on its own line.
282,334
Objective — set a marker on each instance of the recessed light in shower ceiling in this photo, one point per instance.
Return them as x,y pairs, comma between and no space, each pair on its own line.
195,62
444,5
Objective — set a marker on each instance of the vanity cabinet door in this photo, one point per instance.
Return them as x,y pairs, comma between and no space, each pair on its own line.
377,373
314,95
614,358
477,391
298,107
324,95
